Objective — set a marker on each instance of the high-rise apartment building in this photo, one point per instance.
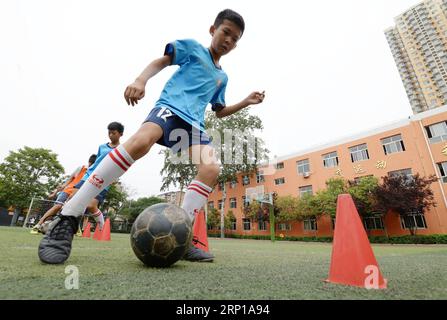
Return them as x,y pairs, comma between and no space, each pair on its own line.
418,42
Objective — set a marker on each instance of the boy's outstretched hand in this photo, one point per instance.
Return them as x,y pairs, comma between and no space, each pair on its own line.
255,97
134,92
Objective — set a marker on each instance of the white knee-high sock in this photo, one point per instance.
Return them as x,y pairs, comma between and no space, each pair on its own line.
113,166
99,218
195,197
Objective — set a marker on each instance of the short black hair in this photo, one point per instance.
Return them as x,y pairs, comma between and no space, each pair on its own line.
92,158
231,15
116,126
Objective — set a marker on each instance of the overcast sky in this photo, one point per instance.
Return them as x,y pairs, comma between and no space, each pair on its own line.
325,66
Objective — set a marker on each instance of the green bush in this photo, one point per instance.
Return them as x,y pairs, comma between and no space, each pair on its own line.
408,239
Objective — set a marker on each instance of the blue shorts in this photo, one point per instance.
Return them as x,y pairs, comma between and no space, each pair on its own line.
176,130
100,197
62,197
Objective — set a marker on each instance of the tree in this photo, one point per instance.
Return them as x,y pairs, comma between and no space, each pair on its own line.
213,218
362,193
115,199
27,173
132,208
326,200
254,211
237,146
288,208
229,219
404,195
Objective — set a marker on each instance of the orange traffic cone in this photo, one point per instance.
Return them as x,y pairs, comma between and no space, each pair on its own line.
86,233
97,233
105,234
353,262
200,237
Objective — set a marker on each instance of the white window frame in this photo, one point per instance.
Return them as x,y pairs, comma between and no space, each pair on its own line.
303,166
330,160
409,174
262,225
393,144
434,137
377,223
359,153
442,167
414,219
233,203
278,181
303,191
310,224
284,226
279,165
246,224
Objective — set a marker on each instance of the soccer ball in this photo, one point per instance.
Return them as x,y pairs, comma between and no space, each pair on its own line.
161,234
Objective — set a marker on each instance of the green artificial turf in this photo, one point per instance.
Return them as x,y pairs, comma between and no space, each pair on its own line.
243,269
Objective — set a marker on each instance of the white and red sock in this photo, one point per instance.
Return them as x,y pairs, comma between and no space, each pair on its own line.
196,197
99,218
113,166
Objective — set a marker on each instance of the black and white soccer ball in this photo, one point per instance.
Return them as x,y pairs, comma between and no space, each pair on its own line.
161,234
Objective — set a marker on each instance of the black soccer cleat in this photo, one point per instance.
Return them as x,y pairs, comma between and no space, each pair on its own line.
55,247
195,254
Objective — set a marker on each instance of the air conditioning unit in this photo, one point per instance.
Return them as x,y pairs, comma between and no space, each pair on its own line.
306,174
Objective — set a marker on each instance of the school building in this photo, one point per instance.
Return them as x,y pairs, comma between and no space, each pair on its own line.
414,145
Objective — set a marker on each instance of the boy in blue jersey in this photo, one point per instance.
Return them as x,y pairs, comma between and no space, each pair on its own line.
199,81
115,131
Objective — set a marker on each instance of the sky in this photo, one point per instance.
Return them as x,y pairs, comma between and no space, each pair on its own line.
325,66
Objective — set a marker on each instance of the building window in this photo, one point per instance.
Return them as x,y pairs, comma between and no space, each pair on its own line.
443,171
279,165
330,160
259,177
220,205
305,190
280,181
333,223
303,166
245,201
233,203
403,172
359,153
247,224
233,184
437,132
393,144
211,204
373,223
284,227
262,225
220,186
358,179
233,225
310,224
245,180
413,221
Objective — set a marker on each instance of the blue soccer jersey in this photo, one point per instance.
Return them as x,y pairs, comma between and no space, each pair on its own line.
103,150
195,84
